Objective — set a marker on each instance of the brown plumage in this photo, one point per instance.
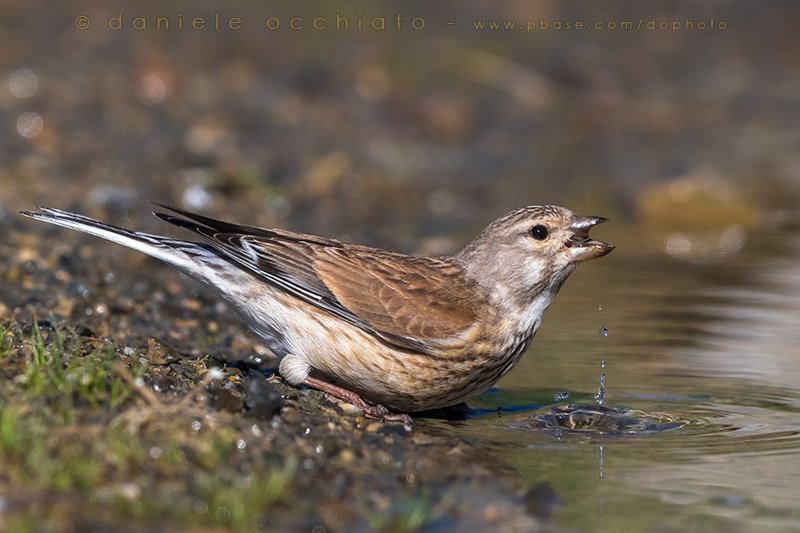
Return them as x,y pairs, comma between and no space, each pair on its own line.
409,333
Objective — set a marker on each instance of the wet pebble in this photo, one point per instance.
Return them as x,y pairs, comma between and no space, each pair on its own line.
83,331
226,400
262,399
160,353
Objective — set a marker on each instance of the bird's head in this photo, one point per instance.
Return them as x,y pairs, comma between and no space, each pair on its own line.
530,251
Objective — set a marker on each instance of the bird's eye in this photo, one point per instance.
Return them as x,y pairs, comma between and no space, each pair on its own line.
539,232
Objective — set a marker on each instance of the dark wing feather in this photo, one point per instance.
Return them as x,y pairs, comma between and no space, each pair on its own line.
262,255
414,303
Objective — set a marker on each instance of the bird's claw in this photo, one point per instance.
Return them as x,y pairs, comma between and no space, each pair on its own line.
374,411
381,413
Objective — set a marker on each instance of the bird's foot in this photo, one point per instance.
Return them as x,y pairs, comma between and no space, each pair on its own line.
339,394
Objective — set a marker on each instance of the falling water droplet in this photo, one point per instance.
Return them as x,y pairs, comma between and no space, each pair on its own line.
600,395
562,395
603,331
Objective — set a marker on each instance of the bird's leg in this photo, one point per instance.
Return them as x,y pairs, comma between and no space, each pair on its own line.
374,411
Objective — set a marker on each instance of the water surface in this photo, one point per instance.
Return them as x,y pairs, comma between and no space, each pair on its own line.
712,346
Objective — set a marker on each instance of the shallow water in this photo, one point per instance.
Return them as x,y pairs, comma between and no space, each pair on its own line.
711,351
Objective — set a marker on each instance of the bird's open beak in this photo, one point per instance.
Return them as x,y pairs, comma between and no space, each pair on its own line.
581,246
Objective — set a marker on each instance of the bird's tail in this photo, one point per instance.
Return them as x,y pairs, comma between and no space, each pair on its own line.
182,254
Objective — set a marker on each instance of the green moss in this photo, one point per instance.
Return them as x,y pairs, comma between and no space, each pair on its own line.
6,339
75,427
68,372
408,512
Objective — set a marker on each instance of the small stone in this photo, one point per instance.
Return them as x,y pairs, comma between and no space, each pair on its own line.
160,353
83,331
226,400
262,398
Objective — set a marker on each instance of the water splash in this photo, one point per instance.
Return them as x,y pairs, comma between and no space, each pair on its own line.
564,419
562,395
600,395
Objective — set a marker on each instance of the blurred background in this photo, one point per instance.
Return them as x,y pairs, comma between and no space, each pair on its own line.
411,139
683,130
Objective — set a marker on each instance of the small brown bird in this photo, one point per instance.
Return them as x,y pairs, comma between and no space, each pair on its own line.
408,333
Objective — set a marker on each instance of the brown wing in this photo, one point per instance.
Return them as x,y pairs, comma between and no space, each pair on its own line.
420,298
414,303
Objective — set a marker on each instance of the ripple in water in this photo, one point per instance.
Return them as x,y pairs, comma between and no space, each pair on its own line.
599,420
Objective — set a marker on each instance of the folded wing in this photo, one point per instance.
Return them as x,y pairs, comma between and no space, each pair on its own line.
383,293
